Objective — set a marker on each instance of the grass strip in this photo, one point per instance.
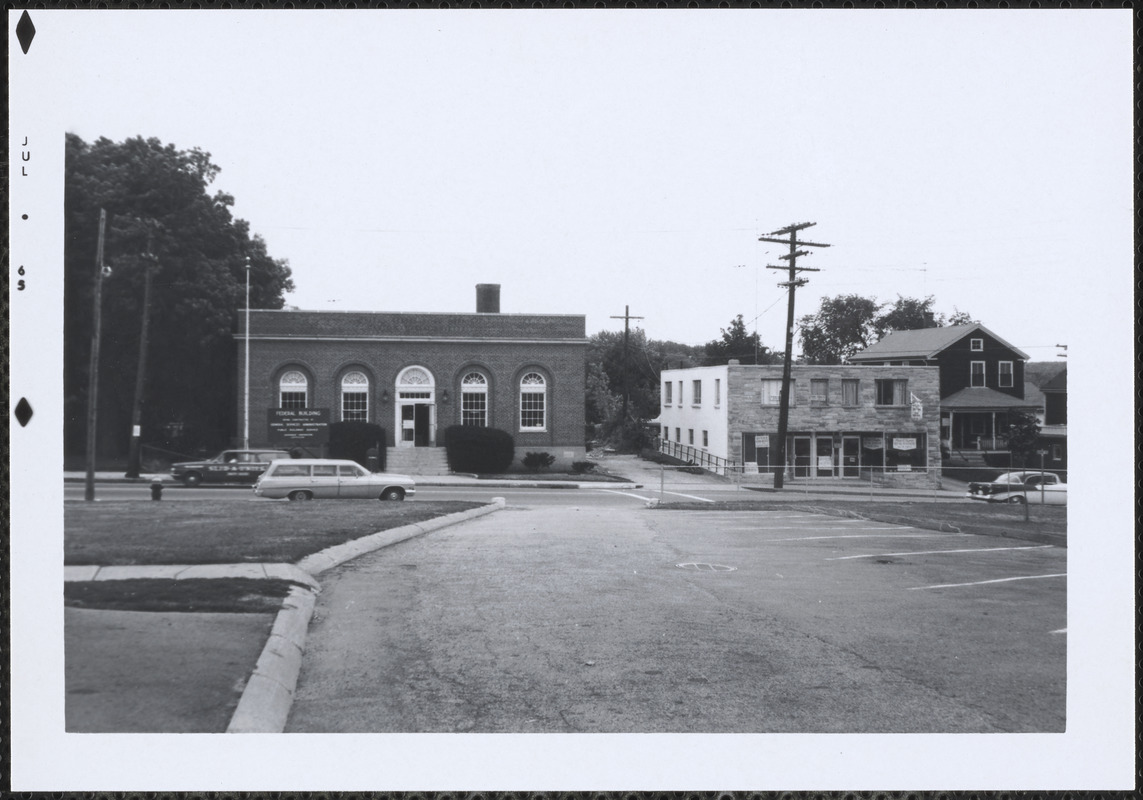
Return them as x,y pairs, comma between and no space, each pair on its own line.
989,519
220,595
229,531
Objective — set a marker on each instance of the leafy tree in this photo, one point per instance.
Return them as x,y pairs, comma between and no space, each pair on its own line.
842,326
604,370
906,314
959,317
1023,436
156,198
737,343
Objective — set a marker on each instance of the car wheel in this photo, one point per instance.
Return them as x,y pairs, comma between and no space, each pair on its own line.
301,496
192,480
1016,498
393,493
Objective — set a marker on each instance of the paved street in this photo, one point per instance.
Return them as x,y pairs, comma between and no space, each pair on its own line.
586,618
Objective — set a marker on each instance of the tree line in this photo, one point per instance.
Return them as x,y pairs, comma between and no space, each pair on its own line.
161,215
842,326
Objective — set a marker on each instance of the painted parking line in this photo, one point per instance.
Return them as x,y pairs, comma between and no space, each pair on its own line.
994,580
936,552
628,494
691,496
865,536
1061,630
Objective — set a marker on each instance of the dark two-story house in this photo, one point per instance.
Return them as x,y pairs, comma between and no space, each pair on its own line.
981,379
1054,431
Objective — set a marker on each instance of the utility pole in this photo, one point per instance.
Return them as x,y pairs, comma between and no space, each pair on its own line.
133,455
93,369
246,363
792,284
626,383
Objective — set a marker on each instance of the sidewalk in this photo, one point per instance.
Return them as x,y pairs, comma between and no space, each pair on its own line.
642,474
523,482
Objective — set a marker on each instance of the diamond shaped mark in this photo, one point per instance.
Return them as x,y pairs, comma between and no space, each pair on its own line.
25,31
23,411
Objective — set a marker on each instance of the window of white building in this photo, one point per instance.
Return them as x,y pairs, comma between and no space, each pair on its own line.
696,393
667,386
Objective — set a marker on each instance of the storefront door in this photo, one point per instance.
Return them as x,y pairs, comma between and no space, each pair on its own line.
803,457
824,460
850,456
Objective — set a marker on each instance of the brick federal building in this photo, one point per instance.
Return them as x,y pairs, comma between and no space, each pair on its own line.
857,422
415,374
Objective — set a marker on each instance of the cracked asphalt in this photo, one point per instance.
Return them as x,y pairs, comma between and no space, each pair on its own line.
579,619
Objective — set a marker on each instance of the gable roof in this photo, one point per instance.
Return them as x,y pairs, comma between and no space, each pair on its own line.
924,343
1058,383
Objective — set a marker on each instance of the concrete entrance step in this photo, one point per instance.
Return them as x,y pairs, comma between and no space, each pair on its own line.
416,460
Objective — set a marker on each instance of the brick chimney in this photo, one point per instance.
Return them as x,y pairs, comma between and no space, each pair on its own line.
488,298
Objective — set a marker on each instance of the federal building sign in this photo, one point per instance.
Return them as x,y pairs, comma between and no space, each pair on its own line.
298,425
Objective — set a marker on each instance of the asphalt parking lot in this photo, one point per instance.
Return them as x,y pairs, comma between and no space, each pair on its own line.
581,619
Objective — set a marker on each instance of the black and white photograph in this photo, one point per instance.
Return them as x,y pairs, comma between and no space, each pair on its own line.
526,399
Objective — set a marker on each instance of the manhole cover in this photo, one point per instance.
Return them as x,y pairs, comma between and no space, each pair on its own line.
698,566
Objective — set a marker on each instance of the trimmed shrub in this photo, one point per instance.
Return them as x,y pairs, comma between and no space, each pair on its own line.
580,467
353,440
538,461
479,450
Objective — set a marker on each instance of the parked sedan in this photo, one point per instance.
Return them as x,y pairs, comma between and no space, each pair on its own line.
1020,487
309,478
229,466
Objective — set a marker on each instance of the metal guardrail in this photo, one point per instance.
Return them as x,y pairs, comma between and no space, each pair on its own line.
946,482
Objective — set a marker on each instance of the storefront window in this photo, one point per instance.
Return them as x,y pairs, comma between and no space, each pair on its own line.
905,452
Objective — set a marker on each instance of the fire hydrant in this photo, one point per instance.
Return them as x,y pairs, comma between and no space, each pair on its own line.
157,489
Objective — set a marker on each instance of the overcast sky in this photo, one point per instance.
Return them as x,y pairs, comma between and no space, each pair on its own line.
589,161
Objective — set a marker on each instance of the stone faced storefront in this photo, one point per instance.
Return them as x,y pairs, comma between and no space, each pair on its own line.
416,374
844,422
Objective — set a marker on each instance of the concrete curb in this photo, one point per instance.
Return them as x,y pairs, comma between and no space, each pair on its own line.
269,693
331,557
265,703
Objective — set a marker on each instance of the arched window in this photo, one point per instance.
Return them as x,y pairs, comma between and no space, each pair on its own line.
354,397
533,402
474,400
293,390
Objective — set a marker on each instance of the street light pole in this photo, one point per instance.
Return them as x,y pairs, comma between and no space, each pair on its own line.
246,411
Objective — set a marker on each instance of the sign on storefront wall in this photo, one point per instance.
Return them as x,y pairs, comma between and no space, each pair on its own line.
904,443
825,462
872,443
298,425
